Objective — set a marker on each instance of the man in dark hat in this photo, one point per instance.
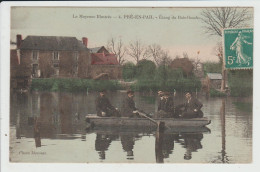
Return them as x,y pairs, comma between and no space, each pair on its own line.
165,106
104,107
128,107
192,107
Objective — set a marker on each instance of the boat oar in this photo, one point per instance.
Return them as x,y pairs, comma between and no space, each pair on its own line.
157,123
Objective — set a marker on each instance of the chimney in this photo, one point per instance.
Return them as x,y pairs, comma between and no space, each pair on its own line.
85,41
19,40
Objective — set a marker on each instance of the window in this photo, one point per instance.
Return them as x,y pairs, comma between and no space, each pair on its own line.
35,70
35,55
76,55
56,65
55,55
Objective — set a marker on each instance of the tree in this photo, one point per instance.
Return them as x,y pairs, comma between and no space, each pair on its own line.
219,18
154,51
117,48
218,51
137,51
182,63
129,70
159,56
145,69
216,19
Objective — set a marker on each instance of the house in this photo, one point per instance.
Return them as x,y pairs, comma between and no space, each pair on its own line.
104,65
59,56
214,80
54,56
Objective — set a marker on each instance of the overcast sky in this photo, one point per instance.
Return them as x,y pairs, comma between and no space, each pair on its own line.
176,35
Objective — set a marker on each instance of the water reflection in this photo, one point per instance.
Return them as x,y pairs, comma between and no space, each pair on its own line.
224,157
164,144
191,142
45,116
102,143
128,142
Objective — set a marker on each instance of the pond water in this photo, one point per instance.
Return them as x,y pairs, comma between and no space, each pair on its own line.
62,135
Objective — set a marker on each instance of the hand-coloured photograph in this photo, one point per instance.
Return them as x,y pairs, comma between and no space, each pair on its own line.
131,84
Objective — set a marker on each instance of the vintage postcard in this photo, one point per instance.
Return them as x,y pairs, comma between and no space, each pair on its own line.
131,84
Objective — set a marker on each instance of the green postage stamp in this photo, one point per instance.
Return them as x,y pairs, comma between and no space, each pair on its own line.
238,48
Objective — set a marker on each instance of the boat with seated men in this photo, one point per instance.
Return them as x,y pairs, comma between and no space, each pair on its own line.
93,120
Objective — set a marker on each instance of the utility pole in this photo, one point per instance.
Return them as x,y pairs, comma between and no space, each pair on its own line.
224,75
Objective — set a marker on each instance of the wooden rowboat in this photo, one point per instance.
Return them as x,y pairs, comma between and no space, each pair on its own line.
144,122
144,130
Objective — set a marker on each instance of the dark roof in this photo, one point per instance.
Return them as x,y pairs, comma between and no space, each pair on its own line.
96,49
52,43
103,59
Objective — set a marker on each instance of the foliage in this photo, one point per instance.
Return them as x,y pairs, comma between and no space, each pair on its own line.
129,71
240,82
73,85
180,85
145,69
216,93
212,67
183,63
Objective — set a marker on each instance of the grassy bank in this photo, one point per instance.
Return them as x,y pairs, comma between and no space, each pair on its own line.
180,85
73,85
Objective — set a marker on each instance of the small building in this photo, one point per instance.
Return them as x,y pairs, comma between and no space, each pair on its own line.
214,80
104,65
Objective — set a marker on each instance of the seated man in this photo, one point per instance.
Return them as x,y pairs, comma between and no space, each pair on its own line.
104,107
165,107
128,107
192,107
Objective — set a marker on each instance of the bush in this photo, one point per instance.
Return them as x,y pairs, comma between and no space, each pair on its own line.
241,83
145,69
73,85
129,71
180,85
216,93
